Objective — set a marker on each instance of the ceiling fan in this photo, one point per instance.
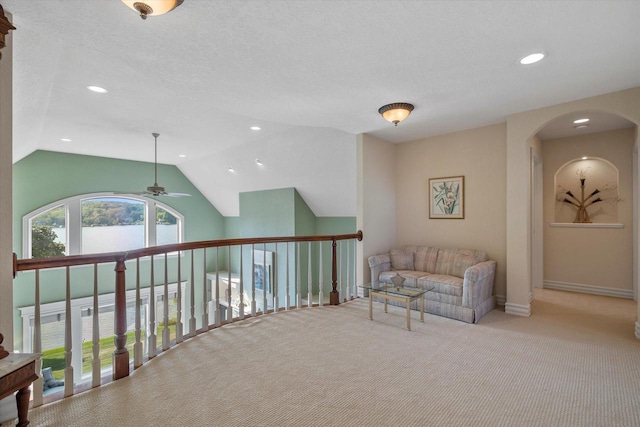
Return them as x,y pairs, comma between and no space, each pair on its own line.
155,189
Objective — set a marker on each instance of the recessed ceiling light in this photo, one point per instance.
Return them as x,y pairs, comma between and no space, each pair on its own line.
585,120
258,162
532,59
255,128
585,158
65,140
230,169
97,89
182,155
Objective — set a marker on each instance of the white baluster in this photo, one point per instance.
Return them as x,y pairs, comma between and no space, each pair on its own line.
241,304
166,337
298,278
205,302
265,278
96,332
217,294
253,281
192,296
321,276
276,299
355,270
68,370
348,279
229,306
310,280
287,298
151,333
179,332
137,346
340,264
37,345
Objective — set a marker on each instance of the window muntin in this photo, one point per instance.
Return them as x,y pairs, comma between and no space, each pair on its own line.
87,216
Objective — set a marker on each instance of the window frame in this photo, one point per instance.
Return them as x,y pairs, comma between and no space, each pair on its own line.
73,220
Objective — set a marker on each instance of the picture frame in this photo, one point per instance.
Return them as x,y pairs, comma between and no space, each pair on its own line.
446,197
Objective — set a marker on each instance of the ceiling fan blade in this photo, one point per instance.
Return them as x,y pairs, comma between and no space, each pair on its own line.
178,195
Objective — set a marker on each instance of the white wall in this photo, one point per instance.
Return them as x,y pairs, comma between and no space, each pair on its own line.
480,156
601,257
376,200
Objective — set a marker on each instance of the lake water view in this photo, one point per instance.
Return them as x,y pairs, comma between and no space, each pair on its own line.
119,237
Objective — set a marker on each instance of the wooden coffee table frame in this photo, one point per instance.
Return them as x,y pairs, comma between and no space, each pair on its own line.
394,293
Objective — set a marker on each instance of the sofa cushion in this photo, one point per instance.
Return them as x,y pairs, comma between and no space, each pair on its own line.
411,277
424,259
401,259
442,283
454,262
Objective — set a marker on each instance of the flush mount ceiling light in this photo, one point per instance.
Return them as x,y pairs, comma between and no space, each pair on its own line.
578,121
152,7
65,139
396,112
258,162
533,58
255,128
230,169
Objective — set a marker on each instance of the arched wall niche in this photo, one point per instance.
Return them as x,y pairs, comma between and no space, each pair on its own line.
590,182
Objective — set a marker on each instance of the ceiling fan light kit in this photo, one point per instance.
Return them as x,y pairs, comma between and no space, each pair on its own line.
396,112
152,7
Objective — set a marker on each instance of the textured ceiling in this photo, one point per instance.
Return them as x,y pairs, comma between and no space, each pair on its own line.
312,74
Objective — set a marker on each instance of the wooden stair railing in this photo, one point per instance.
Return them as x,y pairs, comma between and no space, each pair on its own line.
121,354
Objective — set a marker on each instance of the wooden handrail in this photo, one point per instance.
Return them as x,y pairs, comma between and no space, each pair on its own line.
88,259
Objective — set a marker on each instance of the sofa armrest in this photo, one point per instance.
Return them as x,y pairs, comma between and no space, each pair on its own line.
477,285
378,264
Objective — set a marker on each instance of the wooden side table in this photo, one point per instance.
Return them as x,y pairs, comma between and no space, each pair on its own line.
17,372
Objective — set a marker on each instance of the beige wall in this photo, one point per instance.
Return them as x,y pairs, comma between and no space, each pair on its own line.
590,256
520,128
376,200
479,155
6,266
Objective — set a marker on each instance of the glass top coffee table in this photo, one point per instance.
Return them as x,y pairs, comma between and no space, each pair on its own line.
397,293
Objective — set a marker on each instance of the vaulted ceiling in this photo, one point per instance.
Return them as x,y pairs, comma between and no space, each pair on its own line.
311,74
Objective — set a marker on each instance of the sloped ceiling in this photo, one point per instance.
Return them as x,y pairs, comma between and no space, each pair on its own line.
311,74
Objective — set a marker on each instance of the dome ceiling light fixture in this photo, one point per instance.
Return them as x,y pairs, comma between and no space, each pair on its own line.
396,112
152,7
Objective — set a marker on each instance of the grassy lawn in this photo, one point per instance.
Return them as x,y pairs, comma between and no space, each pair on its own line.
54,358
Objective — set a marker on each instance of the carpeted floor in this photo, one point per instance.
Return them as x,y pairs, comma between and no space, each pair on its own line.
574,362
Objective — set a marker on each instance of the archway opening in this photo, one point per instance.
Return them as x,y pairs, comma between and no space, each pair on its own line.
578,244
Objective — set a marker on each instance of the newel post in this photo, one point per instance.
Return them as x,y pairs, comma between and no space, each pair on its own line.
121,354
334,296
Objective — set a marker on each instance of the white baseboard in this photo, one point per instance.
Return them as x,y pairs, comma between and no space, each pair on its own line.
589,289
518,309
501,299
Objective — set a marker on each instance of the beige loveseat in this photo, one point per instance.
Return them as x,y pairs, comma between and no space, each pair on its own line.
462,279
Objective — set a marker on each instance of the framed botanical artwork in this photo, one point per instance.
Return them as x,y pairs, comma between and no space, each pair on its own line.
446,197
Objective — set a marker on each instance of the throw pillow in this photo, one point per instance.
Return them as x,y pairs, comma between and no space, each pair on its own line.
401,259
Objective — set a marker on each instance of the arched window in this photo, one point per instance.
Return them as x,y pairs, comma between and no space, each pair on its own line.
98,223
